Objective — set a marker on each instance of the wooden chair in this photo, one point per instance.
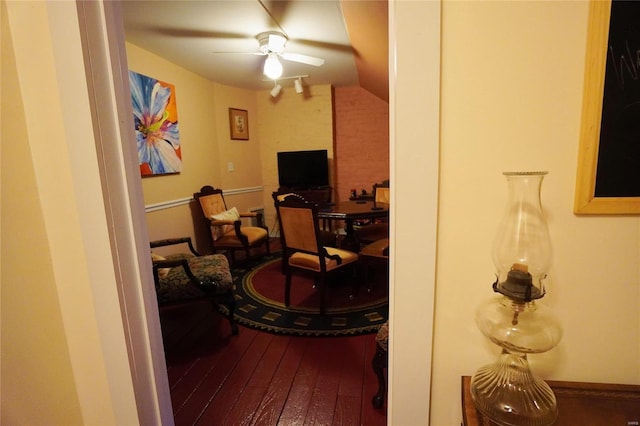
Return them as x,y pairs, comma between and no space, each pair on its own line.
378,252
321,196
374,254
374,231
186,277
327,236
302,247
380,364
227,231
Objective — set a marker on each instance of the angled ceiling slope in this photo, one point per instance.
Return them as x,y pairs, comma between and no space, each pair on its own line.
368,26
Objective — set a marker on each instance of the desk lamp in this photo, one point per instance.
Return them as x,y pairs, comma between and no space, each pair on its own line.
507,391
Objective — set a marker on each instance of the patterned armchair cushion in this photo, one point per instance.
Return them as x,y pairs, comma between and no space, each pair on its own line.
162,272
177,287
382,338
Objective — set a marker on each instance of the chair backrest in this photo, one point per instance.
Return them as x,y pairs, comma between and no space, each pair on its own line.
211,200
381,193
298,224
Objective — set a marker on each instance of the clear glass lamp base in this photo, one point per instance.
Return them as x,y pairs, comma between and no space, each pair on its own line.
509,394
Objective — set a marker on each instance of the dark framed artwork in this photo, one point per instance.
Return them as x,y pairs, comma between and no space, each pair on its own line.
608,175
239,124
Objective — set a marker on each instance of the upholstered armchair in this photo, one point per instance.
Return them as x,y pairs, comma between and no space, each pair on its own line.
328,237
187,276
227,231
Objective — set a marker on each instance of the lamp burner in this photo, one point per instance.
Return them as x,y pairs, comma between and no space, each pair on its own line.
518,286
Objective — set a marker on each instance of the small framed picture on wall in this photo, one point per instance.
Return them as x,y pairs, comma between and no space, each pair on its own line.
239,124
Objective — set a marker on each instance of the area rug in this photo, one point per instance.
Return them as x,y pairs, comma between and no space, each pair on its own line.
259,293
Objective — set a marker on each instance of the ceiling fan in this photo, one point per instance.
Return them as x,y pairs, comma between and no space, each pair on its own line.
272,45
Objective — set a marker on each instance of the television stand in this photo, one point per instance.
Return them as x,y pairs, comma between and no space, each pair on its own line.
319,195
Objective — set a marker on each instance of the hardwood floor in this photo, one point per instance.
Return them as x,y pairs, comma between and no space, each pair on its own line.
257,378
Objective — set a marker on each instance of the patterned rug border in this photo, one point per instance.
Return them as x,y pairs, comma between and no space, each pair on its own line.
258,312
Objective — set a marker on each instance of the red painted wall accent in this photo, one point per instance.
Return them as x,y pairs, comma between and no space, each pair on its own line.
361,141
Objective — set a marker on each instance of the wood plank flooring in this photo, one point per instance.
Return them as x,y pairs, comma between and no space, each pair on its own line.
257,378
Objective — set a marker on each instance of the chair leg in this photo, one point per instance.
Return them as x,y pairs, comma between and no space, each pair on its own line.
379,364
323,285
355,279
232,309
229,302
365,266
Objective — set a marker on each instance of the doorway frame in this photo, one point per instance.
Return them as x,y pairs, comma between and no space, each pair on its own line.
414,170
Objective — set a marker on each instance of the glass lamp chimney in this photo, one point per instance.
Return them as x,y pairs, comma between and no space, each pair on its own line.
522,247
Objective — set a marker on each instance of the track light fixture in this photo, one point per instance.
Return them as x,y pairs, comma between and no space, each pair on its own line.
276,90
297,84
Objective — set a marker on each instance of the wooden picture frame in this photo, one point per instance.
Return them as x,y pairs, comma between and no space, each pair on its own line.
239,124
586,201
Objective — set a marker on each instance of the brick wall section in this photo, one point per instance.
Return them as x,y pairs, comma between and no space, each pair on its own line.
362,140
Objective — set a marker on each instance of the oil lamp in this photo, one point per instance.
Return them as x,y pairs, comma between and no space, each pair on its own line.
507,391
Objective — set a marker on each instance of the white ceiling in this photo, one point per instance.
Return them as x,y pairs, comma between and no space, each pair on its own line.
189,33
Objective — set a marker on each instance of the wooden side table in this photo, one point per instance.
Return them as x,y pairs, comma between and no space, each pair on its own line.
584,404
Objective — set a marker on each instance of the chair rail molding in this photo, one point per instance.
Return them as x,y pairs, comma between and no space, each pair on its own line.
186,200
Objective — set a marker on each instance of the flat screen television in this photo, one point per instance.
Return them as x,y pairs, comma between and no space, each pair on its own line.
303,169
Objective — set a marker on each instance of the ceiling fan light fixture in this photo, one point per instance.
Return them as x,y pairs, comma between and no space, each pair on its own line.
277,42
271,42
272,66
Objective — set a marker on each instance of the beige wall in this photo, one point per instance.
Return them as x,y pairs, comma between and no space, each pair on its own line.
289,123
203,114
38,394
196,123
64,356
512,75
244,154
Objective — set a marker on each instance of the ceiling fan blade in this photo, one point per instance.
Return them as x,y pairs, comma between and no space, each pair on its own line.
241,53
304,59
277,11
326,45
195,33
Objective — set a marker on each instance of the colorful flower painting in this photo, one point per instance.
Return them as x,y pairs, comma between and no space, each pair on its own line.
155,118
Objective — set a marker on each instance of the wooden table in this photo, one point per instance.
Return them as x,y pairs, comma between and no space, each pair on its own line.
349,211
583,404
